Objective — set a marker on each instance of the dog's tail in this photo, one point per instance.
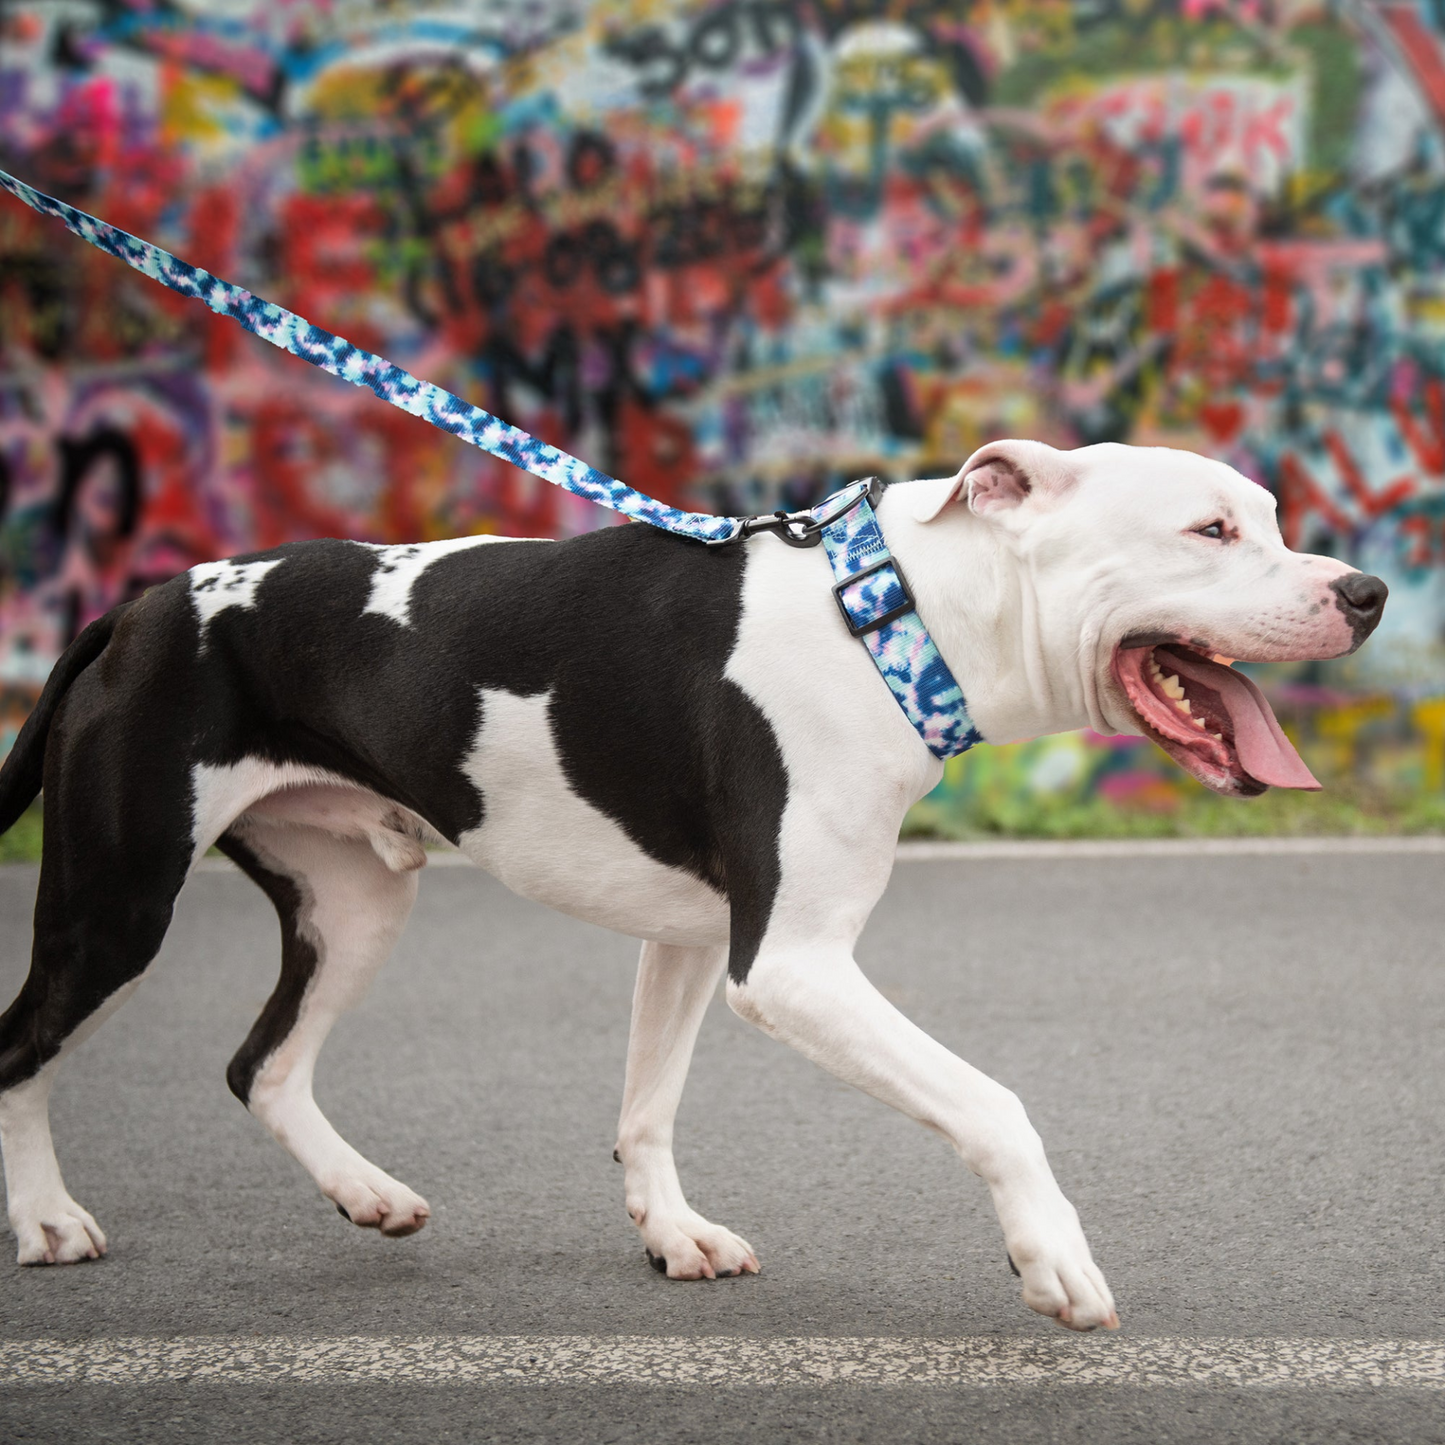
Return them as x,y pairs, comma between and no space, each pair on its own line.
24,769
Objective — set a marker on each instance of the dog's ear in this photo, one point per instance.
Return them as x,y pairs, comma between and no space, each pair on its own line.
997,484
1002,476
996,478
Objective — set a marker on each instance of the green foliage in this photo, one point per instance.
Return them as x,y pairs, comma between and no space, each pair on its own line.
22,843
1342,809
1345,809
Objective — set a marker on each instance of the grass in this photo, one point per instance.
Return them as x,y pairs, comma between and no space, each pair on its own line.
1341,809
22,843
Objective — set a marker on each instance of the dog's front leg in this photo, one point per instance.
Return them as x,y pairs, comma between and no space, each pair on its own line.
816,999
673,989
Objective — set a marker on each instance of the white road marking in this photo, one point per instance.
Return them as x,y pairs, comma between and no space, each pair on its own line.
726,1360
926,851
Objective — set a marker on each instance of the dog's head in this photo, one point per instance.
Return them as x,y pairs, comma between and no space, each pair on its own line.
1143,568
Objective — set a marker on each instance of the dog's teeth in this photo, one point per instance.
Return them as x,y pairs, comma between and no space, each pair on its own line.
1183,706
1198,722
1173,687
1218,737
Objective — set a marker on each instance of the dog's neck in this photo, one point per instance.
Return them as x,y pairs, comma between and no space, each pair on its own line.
979,599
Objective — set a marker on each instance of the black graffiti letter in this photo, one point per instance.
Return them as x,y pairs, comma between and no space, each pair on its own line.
651,48
714,44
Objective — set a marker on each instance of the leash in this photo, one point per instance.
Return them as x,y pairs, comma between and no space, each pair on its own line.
869,586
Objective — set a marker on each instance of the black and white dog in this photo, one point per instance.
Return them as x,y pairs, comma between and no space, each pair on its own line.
678,742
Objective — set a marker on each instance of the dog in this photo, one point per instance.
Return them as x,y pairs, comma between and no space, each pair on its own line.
679,742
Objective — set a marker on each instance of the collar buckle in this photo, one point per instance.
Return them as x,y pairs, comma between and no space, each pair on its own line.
890,614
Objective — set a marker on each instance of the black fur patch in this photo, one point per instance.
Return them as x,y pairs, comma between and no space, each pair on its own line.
298,967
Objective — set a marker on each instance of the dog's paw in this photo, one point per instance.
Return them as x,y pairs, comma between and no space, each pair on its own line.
57,1231
1061,1280
377,1201
688,1247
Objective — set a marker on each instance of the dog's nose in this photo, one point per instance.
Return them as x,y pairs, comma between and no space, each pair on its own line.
1362,599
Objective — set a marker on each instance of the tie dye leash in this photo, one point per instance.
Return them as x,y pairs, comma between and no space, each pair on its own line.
870,588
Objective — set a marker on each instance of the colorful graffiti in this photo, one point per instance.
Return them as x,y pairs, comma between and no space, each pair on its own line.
735,252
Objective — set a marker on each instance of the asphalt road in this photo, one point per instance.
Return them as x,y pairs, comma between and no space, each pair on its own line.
1236,1063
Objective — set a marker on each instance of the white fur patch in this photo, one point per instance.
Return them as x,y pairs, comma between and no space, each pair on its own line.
216,586
548,844
398,567
219,795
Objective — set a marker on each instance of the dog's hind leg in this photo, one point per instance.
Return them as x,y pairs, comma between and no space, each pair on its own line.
50,1227
101,913
673,988
342,910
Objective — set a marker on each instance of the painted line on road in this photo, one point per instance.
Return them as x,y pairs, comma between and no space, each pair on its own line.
920,851
725,1360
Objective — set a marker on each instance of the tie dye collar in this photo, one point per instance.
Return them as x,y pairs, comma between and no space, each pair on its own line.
878,607
870,587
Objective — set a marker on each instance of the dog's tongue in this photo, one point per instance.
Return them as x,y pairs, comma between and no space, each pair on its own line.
1264,751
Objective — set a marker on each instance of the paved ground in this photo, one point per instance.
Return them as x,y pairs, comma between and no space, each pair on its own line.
1235,1061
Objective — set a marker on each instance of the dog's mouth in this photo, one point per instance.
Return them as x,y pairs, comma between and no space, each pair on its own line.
1214,722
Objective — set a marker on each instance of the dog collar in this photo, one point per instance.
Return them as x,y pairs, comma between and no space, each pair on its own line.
873,595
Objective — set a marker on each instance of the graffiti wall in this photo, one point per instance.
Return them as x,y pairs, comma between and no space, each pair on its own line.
735,253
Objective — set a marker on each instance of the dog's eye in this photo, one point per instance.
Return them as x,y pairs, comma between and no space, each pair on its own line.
1214,531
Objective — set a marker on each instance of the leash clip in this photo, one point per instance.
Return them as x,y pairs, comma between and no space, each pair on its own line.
797,529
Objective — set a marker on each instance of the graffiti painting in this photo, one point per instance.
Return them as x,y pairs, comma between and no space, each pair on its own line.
737,254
